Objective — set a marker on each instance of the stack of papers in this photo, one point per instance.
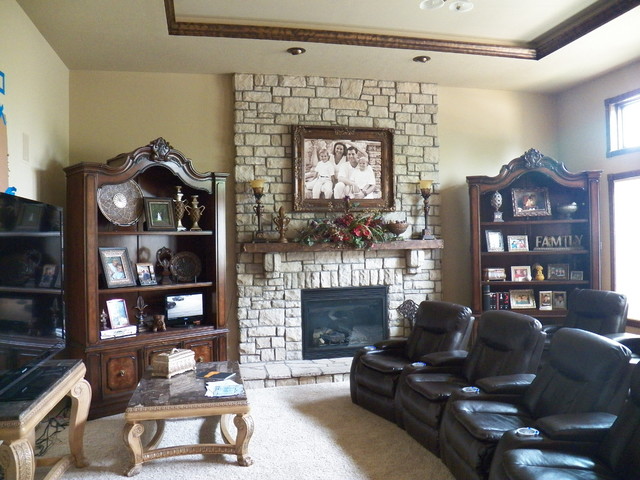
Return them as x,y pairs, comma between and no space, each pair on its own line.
223,388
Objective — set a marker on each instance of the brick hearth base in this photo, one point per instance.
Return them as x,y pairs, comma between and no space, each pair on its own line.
295,372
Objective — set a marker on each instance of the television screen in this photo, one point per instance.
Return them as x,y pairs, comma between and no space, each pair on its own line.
184,310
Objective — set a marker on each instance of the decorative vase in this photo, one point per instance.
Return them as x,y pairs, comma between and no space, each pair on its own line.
180,208
195,212
496,203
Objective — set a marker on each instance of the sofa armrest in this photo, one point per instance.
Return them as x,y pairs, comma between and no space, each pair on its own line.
391,344
551,329
629,340
452,358
507,384
576,427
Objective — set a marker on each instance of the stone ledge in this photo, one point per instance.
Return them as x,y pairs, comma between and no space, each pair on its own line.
295,372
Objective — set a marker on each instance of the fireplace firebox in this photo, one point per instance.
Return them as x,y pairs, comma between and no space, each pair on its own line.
338,321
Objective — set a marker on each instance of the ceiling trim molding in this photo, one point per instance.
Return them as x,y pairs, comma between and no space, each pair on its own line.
552,40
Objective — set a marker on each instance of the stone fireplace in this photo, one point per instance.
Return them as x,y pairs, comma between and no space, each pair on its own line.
271,277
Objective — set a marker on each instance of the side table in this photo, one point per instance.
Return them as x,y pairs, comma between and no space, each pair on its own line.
182,396
18,420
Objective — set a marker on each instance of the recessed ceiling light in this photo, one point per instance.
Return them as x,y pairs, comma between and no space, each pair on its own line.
431,4
296,50
421,59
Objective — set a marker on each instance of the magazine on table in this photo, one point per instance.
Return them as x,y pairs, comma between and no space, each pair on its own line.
223,388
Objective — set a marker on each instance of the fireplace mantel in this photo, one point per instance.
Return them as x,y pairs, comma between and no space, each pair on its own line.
275,247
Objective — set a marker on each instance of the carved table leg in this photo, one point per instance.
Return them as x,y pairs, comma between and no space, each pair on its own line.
244,424
80,401
17,461
132,439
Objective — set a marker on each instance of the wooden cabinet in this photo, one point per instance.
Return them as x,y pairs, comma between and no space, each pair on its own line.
550,220
151,175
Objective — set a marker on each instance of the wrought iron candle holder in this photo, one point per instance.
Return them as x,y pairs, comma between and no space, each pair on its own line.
425,191
258,193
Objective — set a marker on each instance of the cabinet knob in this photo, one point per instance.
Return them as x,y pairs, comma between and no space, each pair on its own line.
200,359
122,373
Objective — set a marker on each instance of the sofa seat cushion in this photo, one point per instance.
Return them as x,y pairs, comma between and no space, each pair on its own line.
435,387
488,421
533,464
384,363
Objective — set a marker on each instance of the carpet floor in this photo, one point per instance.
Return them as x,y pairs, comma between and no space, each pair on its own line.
301,432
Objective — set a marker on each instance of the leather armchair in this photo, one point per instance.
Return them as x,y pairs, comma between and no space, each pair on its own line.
586,373
507,343
615,456
375,370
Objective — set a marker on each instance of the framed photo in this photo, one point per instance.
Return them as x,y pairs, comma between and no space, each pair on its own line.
520,273
518,243
29,216
522,299
545,300
116,267
559,300
558,271
531,202
146,274
331,163
117,310
48,276
159,214
494,274
495,241
576,275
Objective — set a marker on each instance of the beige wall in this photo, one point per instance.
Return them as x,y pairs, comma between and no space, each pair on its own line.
36,104
479,131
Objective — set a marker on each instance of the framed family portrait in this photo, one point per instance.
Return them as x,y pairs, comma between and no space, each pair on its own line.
146,274
558,271
48,275
495,241
117,310
331,163
116,267
520,273
518,243
576,275
522,299
159,214
545,300
530,202
559,300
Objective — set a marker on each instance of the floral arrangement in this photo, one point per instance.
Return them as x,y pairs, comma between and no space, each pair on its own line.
350,230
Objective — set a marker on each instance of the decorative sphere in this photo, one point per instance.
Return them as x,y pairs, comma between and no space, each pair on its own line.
496,200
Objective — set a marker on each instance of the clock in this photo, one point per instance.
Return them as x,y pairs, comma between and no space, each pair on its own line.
121,203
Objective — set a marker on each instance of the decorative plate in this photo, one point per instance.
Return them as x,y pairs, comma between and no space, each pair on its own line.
185,266
122,203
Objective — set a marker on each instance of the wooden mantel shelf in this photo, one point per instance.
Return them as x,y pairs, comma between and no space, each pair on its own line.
328,247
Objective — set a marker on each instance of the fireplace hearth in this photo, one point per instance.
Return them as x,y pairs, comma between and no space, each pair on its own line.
338,321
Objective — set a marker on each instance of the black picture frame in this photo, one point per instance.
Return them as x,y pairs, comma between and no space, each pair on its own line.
159,214
29,217
317,189
116,267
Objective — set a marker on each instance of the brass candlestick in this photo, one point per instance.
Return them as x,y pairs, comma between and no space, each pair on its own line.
425,191
282,223
258,193
195,212
180,208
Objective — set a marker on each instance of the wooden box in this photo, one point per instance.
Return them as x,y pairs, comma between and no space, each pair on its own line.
168,364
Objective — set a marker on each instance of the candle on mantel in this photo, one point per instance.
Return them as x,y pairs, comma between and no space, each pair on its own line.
425,184
257,183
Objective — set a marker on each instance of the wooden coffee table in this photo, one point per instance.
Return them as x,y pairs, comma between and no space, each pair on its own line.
182,396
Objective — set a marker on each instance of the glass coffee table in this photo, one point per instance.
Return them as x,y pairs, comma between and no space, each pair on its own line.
182,396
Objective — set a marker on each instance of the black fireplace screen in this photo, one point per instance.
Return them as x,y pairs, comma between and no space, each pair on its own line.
338,321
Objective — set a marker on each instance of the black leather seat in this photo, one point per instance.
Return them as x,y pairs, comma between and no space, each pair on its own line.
615,455
586,372
374,372
507,343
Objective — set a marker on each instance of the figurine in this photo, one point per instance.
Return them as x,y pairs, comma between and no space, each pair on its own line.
496,203
158,323
282,223
539,276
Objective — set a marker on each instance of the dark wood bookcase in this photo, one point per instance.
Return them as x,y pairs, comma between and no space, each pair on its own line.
115,365
570,243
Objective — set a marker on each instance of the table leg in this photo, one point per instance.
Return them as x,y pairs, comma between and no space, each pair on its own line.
153,443
244,424
80,402
17,460
132,439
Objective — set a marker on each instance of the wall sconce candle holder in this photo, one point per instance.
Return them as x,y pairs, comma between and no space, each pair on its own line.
258,193
425,191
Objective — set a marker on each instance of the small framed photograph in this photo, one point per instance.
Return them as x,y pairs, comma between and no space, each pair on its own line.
518,243
530,202
520,273
48,276
495,241
29,216
545,300
559,300
522,299
117,310
159,214
494,274
576,275
116,267
146,274
558,271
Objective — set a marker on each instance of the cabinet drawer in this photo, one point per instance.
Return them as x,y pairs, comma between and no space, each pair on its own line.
120,372
203,350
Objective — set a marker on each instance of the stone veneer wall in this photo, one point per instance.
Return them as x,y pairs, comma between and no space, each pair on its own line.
266,108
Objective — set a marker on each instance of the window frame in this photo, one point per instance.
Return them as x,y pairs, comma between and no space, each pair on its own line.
612,108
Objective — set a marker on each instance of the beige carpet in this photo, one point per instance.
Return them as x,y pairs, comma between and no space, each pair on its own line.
302,432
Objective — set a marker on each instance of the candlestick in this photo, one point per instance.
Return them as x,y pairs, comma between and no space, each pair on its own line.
258,192
425,191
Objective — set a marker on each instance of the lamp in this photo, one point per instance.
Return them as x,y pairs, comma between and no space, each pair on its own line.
425,191
456,6
258,192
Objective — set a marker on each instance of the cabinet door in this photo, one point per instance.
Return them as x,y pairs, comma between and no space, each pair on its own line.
120,372
203,350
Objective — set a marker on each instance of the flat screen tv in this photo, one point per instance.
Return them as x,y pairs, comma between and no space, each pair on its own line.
32,309
184,310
